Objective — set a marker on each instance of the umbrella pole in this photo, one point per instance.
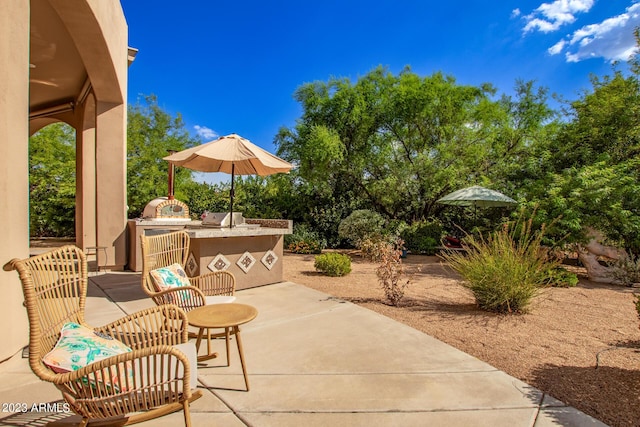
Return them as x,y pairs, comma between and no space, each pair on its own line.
233,170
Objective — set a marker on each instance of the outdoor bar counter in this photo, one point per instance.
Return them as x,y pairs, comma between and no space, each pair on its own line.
251,251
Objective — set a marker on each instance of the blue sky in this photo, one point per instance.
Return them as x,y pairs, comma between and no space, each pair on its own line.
232,67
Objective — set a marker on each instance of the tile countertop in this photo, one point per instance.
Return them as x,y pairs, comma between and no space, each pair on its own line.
253,227
248,229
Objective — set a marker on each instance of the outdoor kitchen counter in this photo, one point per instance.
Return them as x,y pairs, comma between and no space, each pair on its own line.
252,252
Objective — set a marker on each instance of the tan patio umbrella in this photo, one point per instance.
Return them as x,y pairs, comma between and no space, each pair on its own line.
231,154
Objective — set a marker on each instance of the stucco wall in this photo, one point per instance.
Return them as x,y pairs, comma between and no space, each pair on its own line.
14,170
99,33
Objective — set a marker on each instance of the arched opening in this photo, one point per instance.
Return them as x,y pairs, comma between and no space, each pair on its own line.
52,185
77,75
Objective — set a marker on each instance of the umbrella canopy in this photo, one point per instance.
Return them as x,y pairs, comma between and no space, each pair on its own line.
477,196
230,154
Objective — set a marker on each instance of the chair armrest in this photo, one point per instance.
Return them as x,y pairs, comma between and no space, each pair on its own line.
162,325
140,379
215,283
185,297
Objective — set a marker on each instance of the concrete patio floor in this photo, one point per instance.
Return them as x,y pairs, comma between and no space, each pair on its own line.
314,360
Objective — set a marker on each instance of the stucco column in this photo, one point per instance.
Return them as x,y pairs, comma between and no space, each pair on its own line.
111,182
14,168
86,176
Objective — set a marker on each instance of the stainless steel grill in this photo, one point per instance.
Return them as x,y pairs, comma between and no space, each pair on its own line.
223,219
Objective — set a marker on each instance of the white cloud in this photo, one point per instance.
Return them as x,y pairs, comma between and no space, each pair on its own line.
205,132
550,17
515,13
541,25
611,39
556,48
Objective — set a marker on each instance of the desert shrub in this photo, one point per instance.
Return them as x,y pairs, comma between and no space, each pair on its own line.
304,240
561,278
333,264
360,225
505,270
423,236
390,272
626,271
374,247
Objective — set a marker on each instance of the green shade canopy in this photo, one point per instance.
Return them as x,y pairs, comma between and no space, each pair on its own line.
477,196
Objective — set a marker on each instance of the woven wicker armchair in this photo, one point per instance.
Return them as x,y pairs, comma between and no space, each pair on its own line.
153,379
173,248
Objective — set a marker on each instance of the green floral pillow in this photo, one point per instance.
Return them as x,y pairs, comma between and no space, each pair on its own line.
80,346
170,277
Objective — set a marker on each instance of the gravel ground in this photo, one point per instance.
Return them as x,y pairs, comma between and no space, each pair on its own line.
580,345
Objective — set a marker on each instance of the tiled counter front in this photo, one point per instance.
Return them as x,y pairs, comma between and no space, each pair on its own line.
253,255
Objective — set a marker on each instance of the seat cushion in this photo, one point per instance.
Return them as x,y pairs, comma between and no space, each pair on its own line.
79,346
170,277
219,299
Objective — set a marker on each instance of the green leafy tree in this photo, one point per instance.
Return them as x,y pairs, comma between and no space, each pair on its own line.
201,197
52,181
396,144
358,140
589,175
151,133
434,135
525,122
260,197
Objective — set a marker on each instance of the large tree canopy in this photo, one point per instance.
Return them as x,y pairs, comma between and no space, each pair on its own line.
589,175
395,144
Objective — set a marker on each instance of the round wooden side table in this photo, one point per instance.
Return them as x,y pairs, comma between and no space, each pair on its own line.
222,316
